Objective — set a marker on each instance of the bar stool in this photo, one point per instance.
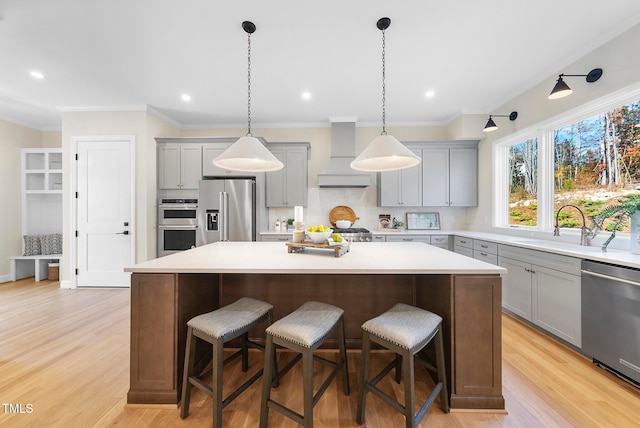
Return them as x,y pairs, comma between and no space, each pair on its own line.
303,331
406,330
217,328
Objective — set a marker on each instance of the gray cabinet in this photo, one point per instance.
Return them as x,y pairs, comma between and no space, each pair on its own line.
485,251
462,245
545,289
179,165
401,188
378,238
402,237
450,176
287,187
277,237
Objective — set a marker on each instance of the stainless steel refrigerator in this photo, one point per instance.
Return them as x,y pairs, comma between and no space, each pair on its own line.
226,210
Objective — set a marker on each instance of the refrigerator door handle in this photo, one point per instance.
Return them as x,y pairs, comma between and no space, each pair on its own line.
224,221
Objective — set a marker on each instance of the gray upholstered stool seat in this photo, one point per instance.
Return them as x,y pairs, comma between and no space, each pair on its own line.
303,331
406,330
216,328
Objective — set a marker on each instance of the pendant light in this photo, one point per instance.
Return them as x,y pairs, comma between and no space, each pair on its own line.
248,153
384,153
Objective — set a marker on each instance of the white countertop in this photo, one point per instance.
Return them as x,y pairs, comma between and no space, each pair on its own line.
272,257
615,256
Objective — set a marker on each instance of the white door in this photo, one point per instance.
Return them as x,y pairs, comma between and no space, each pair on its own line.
105,214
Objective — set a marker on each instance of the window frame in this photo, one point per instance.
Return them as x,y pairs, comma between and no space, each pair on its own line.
544,132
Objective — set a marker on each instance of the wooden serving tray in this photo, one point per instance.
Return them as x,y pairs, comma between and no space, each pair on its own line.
339,250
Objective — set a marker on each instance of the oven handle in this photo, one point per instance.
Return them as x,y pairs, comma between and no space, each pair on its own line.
177,227
178,207
612,278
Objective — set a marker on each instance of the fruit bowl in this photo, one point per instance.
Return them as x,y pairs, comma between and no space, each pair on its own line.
319,237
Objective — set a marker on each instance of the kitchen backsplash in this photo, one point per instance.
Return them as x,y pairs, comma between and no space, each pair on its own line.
363,202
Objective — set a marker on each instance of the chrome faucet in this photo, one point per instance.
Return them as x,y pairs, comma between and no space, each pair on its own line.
586,235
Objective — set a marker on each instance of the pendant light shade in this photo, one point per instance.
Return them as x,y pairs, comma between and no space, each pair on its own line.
384,153
248,153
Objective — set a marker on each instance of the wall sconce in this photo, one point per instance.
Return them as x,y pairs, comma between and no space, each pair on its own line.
491,125
561,89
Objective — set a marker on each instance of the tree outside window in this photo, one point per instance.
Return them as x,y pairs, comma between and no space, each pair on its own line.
597,162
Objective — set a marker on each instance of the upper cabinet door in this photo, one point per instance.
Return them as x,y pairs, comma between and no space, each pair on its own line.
190,166
463,177
435,176
179,166
288,186
402,188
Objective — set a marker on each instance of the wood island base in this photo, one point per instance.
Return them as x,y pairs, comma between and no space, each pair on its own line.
470,305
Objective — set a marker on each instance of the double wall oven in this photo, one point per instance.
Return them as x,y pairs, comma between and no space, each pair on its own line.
177,225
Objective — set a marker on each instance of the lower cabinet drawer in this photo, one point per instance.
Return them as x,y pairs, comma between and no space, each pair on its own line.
485,257
465,251
409,238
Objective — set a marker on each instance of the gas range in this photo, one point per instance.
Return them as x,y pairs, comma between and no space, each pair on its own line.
355,234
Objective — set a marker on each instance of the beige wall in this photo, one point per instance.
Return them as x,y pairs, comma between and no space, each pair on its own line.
621,68
13,137
144,127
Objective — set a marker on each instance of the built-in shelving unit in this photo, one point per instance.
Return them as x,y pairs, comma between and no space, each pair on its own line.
41,191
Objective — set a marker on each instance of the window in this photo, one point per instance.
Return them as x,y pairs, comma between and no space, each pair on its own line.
523,183
590,159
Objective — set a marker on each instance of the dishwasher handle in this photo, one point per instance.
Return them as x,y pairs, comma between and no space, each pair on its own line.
612,278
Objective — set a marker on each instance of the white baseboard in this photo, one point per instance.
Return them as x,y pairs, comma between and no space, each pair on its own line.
5,278
66,284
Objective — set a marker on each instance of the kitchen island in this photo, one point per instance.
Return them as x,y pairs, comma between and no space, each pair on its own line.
366,281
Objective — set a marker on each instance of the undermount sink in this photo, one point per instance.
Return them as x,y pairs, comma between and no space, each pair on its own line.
549,244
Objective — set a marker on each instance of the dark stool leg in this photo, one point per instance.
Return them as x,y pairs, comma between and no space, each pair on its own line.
188,369
409,389
398,377
343,356
364,376
245,352
307,388
267,376
216,365
442,374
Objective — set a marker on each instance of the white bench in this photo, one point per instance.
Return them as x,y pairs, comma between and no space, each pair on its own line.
24,266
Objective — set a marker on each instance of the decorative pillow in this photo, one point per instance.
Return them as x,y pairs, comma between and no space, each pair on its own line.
51,244
32,245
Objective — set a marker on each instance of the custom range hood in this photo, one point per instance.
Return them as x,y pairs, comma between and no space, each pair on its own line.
338,173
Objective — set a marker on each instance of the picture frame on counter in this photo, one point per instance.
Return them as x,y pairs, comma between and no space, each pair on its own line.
423,221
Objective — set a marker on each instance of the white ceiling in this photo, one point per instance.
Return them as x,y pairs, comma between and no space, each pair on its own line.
121,54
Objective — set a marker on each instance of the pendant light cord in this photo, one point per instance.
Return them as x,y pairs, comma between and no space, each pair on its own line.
384,89
249,85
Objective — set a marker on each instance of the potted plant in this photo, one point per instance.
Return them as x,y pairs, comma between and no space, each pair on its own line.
627,207
290,224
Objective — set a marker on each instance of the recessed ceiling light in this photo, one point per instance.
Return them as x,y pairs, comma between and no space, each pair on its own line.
186,98
306,95
37,75
430,94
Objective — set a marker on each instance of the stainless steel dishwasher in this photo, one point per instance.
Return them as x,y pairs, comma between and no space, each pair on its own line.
611,318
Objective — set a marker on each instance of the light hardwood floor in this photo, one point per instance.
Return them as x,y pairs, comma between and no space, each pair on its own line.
64,355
